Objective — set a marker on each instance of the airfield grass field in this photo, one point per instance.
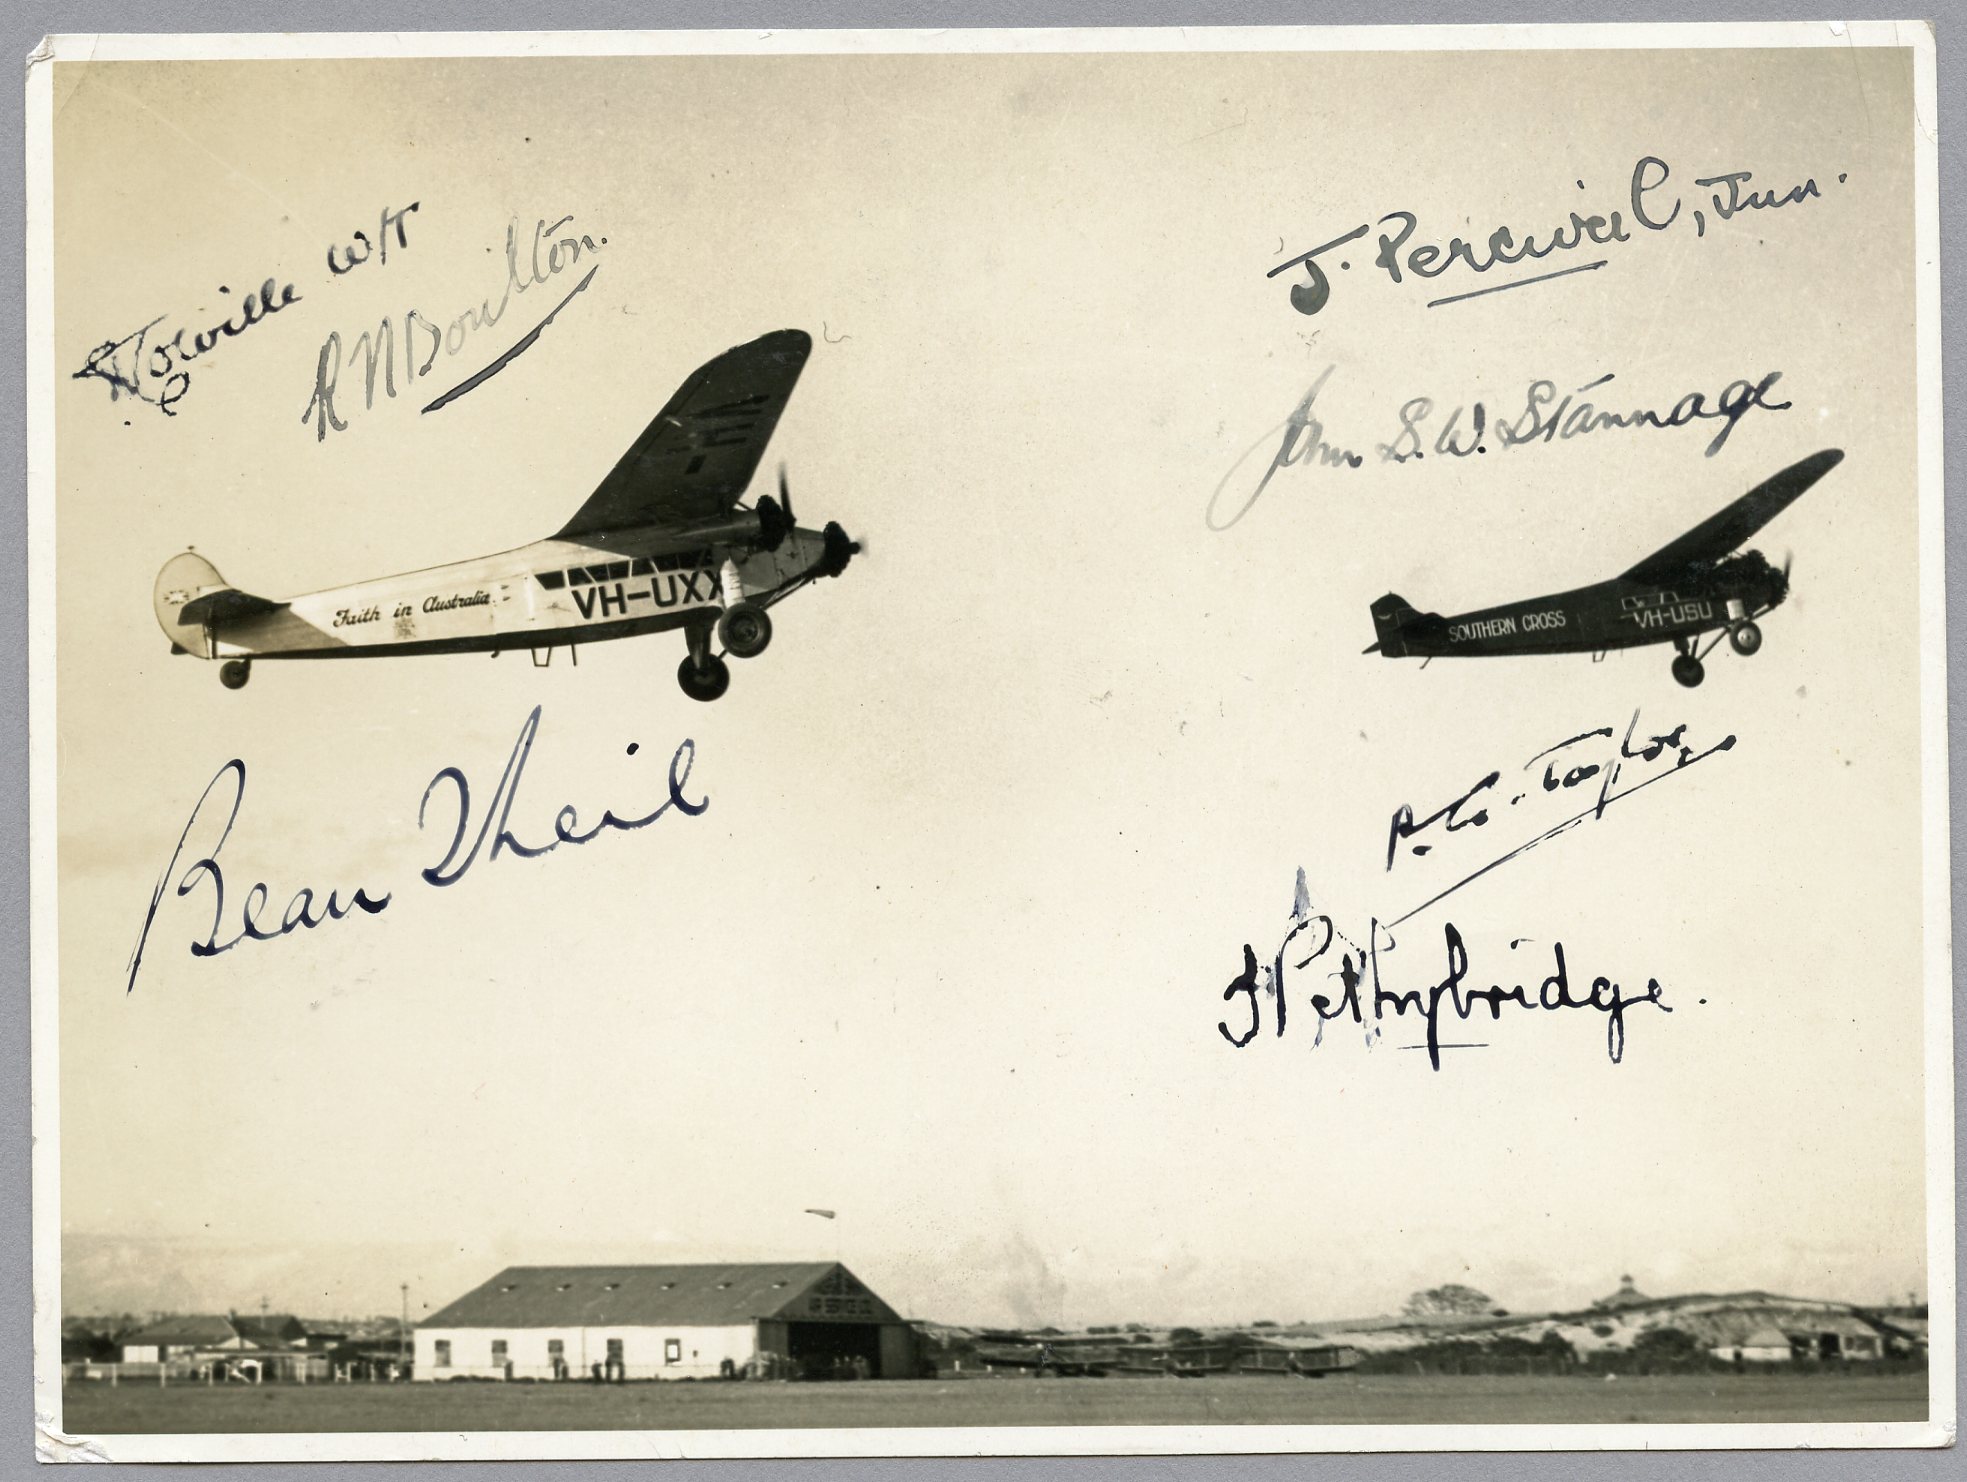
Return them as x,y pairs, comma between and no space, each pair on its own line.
1380,1399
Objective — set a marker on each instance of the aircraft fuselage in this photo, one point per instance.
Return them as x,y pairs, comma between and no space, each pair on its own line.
548,593
1613,614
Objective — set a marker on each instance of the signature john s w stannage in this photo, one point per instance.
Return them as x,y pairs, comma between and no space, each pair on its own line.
1541,416
308,909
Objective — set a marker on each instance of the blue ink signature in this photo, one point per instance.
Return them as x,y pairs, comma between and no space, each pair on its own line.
306,911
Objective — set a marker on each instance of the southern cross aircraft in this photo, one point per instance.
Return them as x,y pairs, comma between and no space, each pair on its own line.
663,543
1692,586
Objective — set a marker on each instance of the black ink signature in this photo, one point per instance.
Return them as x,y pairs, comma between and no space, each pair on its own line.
421,340
152,367
1555,993
1304,442
1506,246
1544,419
303,911
396,221
1555,772
1558,779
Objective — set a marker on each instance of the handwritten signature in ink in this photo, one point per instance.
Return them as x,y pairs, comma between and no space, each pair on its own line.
1541,417
307,909
153,366
1651,207
1455,991
1567,767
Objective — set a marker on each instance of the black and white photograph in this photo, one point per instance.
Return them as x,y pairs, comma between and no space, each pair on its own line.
1080,742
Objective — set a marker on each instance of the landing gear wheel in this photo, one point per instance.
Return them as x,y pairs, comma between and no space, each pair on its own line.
1745,638
705,681
1687,669
744,630
234,673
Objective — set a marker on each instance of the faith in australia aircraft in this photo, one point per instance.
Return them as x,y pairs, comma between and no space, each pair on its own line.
1694,586
663,543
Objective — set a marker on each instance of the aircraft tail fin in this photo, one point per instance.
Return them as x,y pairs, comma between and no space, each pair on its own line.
1395,620
191,598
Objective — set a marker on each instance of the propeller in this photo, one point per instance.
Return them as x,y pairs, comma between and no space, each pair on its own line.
775,519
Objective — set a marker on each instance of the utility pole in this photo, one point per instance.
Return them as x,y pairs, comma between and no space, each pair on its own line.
403,1332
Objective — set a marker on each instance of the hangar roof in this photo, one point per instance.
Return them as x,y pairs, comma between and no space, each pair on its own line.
657,1296
193,1329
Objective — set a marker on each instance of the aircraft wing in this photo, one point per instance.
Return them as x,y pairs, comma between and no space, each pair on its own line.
696,458
1718,535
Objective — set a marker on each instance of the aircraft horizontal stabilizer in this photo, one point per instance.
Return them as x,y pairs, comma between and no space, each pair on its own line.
225,604
191,599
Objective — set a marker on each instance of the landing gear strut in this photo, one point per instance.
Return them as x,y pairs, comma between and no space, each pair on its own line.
702,674
234,673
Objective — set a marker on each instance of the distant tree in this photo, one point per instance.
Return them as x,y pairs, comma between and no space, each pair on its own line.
1185,1335
1449,1301
1667,1348
1097,1328
1558,1349
1136,1327
1263,1322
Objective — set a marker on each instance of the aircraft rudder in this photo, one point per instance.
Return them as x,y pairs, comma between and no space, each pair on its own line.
185,576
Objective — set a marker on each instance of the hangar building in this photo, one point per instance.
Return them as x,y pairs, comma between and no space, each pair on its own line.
666,1322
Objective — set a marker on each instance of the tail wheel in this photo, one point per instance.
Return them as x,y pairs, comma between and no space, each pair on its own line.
1745,638
234,673
706,681
744,630
1688,670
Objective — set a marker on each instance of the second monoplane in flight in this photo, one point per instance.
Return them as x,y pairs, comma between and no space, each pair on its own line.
1691,588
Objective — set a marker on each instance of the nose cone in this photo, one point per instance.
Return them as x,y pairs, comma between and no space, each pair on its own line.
1776,586
837,549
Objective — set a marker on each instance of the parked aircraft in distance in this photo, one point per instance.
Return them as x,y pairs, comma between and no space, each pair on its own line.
1692,586
662,543
1091,1356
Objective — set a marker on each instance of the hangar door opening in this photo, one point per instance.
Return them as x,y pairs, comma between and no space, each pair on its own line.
830,1350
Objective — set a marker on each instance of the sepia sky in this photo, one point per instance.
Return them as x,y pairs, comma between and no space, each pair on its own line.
990,823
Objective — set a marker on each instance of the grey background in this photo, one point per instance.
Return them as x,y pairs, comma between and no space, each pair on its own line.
26,23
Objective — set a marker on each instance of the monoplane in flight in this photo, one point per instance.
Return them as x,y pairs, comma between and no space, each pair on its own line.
662,543
1694,586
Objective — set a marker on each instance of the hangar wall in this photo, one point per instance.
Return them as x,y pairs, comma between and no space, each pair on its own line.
646,1353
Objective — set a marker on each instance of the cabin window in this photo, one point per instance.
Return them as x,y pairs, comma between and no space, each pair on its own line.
643,566
672,1350
553,581
577,576
498,1351
443,1359
617,570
